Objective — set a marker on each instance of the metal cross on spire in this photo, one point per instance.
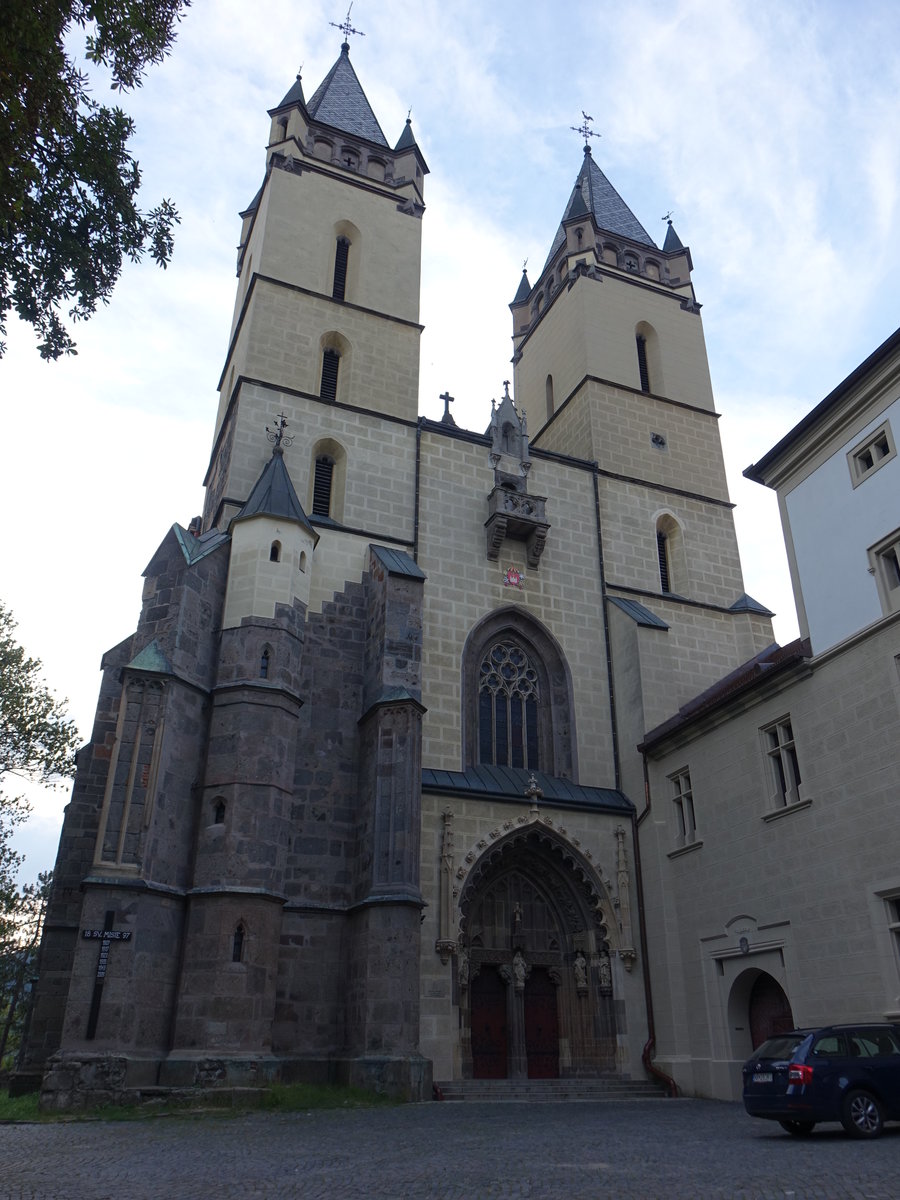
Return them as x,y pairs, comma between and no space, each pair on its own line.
345,27
277,435
585,129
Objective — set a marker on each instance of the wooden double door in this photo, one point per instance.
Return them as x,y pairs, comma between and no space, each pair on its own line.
511,1028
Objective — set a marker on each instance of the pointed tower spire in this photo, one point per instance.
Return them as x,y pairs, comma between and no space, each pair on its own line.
339,101
673,241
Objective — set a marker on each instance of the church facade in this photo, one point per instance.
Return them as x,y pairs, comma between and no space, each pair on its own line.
361,798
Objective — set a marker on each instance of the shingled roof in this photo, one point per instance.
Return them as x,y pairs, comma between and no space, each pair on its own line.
274,495
340,102
594,194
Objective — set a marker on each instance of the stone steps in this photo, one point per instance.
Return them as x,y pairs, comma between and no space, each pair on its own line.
539,1090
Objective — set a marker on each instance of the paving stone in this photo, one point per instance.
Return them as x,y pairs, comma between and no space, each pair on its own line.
639,1150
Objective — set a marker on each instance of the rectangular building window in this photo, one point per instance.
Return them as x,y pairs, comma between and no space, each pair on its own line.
871,453
331,360
683,797
784,769
884,563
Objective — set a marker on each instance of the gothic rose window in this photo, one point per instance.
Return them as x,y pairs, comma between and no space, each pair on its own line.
508,699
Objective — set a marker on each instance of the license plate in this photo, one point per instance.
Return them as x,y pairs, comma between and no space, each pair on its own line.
762,1077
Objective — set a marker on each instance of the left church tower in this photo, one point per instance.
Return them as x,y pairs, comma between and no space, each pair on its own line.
236,895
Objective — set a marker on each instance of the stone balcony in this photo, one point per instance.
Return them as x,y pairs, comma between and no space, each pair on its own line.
516,515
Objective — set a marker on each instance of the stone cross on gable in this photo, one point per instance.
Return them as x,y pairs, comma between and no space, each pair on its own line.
446,419
106,936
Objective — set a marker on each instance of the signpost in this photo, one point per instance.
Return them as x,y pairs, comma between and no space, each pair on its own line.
106,936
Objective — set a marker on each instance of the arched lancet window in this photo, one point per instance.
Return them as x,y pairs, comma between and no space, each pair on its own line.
327,479
649,360
237,944
670,556
517,697
275,552
302,560
218,811
264,663
549,392
508,697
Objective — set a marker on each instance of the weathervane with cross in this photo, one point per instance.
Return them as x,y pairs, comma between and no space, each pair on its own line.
585,129
277,435
345,27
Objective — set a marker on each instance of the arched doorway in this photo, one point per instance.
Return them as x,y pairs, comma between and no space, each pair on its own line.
770,1010
537,995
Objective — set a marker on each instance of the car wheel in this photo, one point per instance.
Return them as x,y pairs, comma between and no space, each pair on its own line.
798,1128
861,1114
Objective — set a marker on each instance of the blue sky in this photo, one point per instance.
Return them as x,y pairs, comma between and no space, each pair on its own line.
769,129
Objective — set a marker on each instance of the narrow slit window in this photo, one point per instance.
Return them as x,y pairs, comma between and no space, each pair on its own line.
237,945
219,813
341,254
322,482
275,552
641,343
662,553
330,363
264,664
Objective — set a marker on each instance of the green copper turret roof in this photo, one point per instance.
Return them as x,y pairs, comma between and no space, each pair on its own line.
340,102
593,194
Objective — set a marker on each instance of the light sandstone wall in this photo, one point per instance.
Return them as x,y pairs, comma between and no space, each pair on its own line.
563,592
805,885
590,328
376,480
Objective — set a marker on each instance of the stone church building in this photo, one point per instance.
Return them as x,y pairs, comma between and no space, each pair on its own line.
360,802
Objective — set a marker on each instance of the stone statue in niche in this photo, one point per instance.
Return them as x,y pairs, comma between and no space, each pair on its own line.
519,971
463,970
605,974
579,968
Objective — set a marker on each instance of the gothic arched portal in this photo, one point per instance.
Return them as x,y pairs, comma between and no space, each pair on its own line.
535,972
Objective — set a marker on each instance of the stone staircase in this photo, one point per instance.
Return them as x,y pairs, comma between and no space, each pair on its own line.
607,1088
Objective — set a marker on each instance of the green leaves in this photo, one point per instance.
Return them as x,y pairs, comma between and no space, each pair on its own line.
37,740
68,183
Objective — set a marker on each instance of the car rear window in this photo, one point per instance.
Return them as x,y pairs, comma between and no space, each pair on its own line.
782,1046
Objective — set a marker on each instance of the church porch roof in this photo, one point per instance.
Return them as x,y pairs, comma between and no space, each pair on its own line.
511,783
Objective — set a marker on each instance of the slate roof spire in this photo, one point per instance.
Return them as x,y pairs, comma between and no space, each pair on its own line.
339,101
273,495
594,195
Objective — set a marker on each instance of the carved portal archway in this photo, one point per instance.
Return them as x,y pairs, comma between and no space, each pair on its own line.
536,993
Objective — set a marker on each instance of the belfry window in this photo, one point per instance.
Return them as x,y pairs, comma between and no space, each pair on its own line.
330,362
324,477
341,254
662,552
641,343
508,698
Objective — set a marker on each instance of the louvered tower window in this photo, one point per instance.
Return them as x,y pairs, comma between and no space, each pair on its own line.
341,253
662,553
508,696
322,481
330,363
641,342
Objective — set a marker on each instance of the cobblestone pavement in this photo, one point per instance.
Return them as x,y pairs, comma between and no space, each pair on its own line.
579,1151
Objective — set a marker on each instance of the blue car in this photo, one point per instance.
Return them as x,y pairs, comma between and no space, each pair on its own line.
846,1073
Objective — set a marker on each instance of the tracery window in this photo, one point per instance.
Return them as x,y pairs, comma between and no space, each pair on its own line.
508,700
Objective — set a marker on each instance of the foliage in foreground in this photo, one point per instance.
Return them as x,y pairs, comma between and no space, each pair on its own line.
68,182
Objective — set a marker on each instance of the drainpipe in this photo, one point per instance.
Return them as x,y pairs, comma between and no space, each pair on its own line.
415,553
